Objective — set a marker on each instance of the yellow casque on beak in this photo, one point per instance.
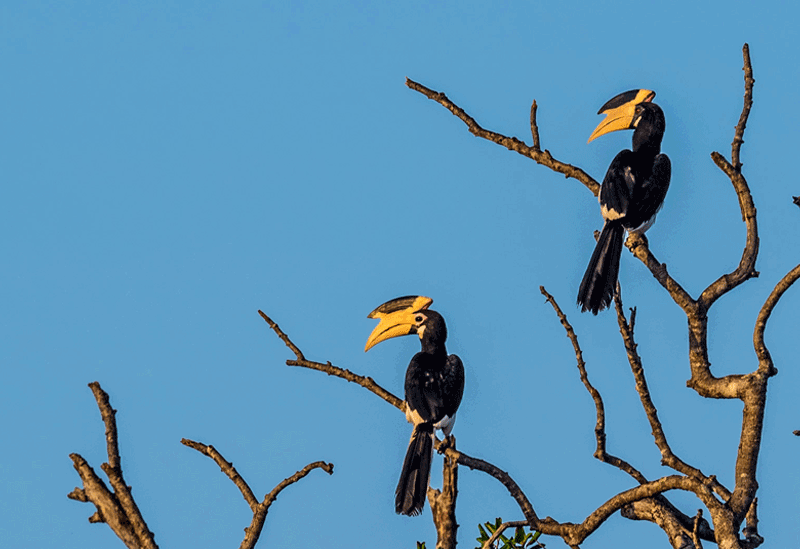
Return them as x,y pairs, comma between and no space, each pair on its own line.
396,318
620,111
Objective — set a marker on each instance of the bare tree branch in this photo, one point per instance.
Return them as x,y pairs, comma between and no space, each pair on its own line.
227,468
511,143
600,425
535,128
443,502
366,382
638,245
668,458
762,352
738,137
260,510
696,529
733,170
118,508
253,532
751,530
273,495
675,524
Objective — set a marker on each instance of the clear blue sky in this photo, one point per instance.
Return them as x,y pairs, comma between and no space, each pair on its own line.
169,168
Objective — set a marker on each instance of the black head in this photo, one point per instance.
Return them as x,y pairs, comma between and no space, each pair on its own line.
431,329
649,124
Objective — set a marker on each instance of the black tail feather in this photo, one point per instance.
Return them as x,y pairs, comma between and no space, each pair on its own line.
413,484
600,279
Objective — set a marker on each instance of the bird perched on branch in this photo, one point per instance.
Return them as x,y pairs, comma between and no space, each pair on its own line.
632,192
434,387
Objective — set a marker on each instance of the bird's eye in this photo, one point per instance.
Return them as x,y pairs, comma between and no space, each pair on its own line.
418,318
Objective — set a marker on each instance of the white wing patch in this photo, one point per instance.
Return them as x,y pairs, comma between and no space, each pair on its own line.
412,416
644,226
609,214
446,425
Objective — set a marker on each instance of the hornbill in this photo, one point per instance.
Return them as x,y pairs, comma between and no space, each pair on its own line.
434,387
632,192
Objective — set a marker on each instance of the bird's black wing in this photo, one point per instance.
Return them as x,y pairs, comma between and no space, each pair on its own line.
651,194
615,192
424,389
452,384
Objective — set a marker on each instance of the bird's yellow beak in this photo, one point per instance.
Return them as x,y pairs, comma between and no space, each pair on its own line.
620,111
397,318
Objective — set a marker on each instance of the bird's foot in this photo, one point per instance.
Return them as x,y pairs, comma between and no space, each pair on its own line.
448,441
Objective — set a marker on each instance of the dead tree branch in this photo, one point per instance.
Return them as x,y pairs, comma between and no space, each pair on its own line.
668,458
600,424
227,468
511,143
535,128
443,502
260,510
366,382
658,509
118,508
764,358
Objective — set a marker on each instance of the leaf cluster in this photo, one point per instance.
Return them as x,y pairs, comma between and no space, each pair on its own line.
520,539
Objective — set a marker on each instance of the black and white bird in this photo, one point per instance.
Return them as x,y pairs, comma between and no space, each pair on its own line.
433,389
632,192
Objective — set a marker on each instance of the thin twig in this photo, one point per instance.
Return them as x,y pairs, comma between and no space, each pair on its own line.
738,138
751,530
227,468
535,128
283,337
273,495
696,529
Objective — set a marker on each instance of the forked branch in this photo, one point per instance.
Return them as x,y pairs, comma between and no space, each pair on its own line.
118,508
511,143
260,509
